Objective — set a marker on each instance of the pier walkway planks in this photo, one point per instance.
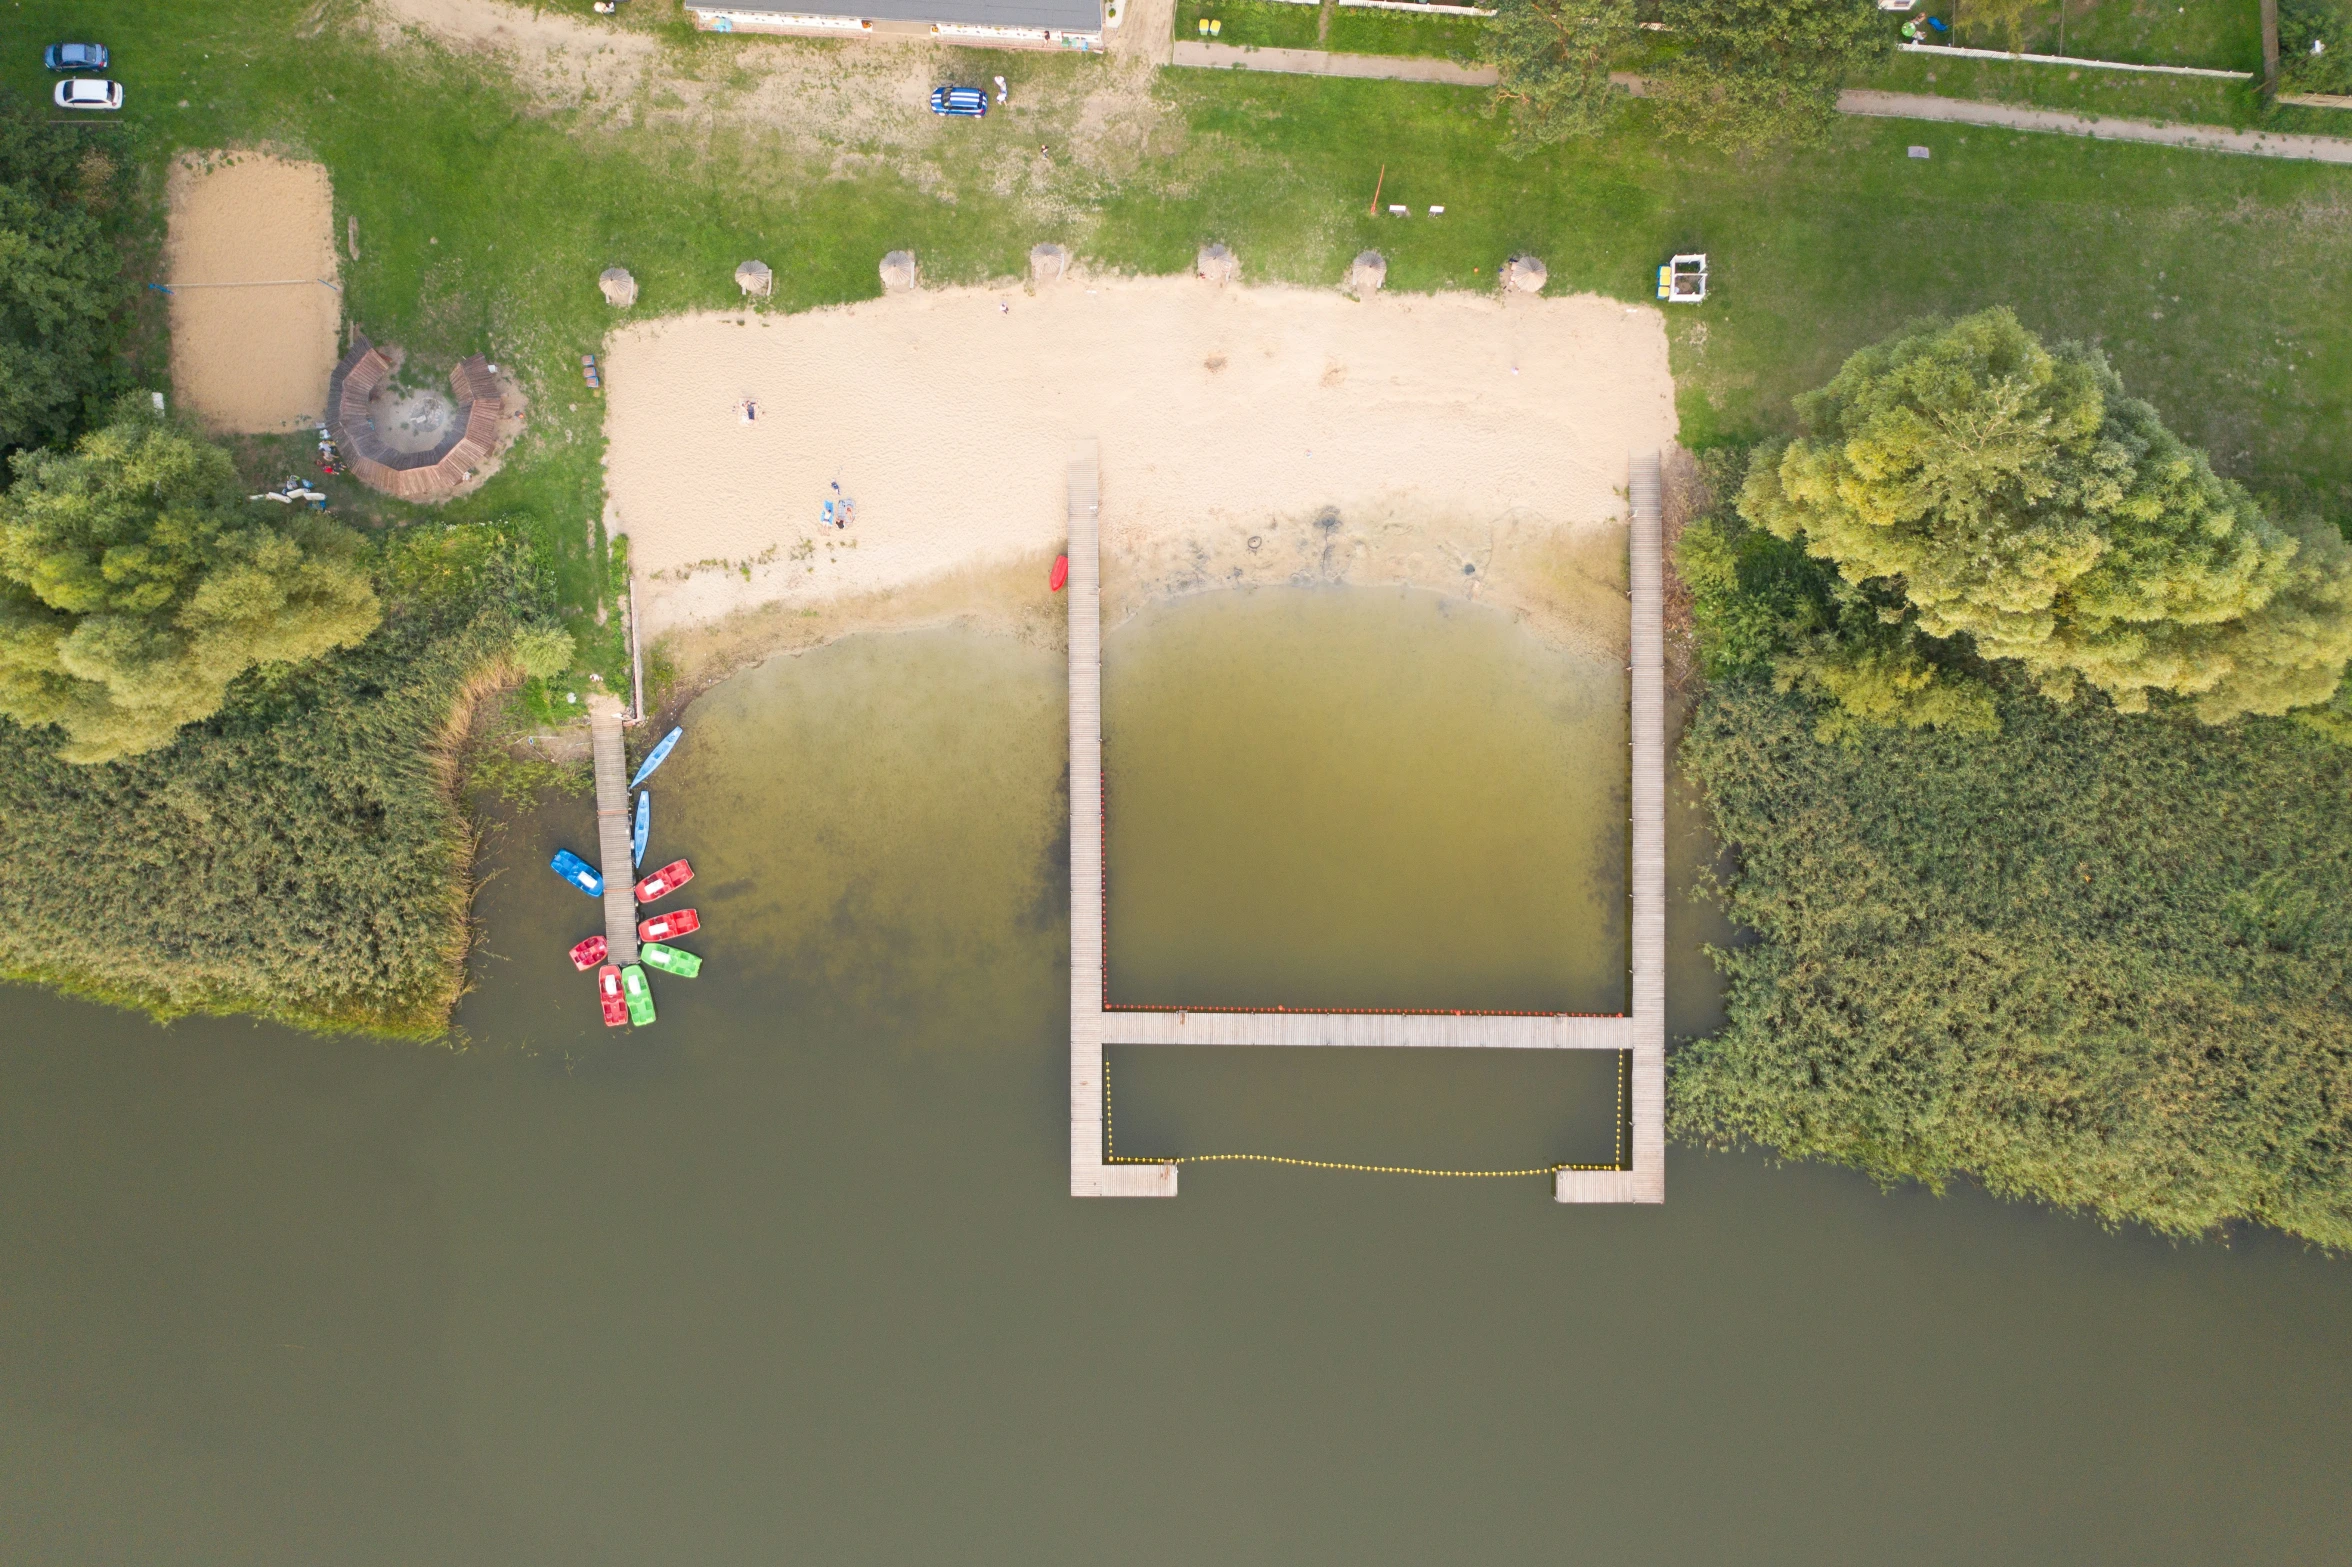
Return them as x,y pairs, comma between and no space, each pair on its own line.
1093,1025
612,829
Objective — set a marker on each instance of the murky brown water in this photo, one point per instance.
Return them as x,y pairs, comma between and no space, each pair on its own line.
791,1277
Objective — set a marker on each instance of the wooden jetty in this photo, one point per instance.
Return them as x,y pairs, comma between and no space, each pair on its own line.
618,864
1094,1025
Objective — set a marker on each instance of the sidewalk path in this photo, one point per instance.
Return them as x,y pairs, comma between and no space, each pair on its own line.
1322,62
1877,105
2003,116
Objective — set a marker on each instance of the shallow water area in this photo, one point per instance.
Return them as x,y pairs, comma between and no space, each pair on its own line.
791,1275
1358,799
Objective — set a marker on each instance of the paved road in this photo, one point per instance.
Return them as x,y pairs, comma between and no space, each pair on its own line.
1879,105
1322,62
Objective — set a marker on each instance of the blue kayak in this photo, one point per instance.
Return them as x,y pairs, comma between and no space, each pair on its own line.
578,872
654,758
637,833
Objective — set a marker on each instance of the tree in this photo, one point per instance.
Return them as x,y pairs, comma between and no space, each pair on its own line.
2011,495
1757,72
59,279
1553,60
544,652
136,583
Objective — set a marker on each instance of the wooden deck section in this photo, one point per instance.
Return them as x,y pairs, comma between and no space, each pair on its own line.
1093,1025
612,828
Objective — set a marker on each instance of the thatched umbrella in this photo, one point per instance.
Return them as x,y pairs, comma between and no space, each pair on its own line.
1369,273
753,277
1048,263
1526,274
620,289
1217,264
898,272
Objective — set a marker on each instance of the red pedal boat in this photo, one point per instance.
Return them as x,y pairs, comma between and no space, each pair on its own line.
670,926
665,881
608,991
588,954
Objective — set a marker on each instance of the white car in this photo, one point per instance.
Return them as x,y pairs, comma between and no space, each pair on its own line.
89,92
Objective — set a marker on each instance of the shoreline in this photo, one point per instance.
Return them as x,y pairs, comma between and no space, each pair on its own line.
1469,444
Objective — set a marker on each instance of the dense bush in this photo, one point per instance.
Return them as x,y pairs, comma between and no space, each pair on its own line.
60,276
2096,958
1750,74
298,853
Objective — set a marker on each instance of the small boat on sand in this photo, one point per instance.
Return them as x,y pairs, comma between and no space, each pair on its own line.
655,757
608,992
670,926
578,872
670,960
638,992
637,833
665,881
1059,575
588,954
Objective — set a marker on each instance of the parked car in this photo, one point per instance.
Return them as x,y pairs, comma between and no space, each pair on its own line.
665,881
578,872
670,960
959,100
88,92
74,57
670,926
608,992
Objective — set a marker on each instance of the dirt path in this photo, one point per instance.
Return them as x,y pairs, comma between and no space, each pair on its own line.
255,307
2065,122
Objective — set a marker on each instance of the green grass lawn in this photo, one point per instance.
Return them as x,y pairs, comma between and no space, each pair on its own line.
2218,34
1354,29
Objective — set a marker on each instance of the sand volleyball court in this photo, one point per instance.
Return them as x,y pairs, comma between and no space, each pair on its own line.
1247,435
254,316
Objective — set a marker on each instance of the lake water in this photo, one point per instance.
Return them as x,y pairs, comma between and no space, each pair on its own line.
791,1277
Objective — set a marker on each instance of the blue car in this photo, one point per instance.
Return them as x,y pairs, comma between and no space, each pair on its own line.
578,872
959,100
75,57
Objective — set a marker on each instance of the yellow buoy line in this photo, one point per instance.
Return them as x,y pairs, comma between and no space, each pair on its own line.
1111,1154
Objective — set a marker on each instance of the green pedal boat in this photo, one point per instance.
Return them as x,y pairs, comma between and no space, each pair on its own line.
638,993
670,960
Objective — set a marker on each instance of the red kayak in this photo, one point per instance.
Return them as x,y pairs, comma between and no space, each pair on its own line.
588,954
670,926
665,881
608,991
1061,574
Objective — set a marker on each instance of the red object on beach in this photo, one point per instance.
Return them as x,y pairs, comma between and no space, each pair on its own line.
668,927
588,954
1061,574
665,881
608,991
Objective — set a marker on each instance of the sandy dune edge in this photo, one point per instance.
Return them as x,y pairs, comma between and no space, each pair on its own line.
1460,442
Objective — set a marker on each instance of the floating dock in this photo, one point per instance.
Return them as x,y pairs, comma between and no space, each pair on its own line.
612,828
1094,1024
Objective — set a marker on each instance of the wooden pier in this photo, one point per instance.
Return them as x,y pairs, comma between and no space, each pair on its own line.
1094,1025
612,828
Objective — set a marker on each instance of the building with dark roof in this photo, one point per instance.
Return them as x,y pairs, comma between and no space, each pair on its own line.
1011,24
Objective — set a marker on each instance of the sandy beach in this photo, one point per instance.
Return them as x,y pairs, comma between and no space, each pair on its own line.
1248,435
